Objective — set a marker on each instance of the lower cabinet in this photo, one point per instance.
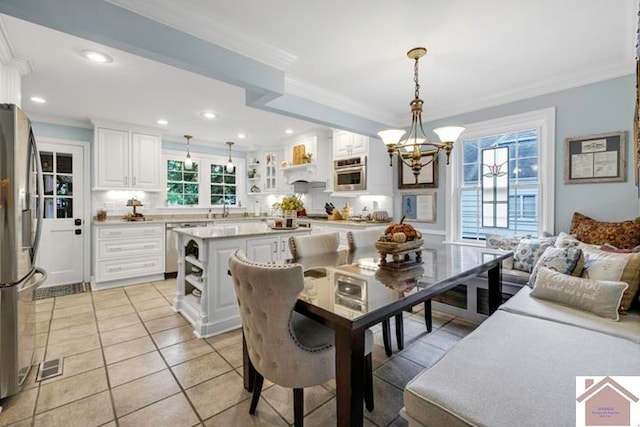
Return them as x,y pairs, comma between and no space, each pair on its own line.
268,249
127,254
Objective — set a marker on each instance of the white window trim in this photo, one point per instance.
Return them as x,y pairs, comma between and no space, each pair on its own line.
544,121
205,161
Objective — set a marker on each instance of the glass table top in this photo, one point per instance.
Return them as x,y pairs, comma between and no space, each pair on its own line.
352,284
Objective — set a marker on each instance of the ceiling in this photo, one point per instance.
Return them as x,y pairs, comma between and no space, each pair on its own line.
349,55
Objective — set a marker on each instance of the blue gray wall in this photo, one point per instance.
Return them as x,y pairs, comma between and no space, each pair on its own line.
596,108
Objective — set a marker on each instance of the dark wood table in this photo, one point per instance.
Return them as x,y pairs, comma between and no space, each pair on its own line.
385,294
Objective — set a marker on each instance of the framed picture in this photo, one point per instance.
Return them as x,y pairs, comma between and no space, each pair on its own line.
428,177
419,207
596,158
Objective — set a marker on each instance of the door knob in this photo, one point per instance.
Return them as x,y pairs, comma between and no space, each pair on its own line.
77,221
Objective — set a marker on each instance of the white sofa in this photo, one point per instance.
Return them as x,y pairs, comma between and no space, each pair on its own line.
519,367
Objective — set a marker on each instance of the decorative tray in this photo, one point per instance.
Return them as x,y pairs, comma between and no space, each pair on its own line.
273,227
391,248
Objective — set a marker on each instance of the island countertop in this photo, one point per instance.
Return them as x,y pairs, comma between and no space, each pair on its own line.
237,230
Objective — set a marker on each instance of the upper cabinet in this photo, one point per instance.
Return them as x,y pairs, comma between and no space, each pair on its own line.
127,159
347,144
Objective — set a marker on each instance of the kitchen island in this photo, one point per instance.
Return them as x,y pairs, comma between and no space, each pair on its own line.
202,267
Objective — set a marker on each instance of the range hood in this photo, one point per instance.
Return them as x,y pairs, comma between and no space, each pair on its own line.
306,186
303,177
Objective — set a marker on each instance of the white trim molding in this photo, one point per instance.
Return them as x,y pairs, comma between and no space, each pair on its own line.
545,122
8,56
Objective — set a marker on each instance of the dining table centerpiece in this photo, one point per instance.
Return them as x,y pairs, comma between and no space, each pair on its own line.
400,241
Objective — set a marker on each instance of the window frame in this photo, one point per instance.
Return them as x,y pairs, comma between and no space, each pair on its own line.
204,179
543,121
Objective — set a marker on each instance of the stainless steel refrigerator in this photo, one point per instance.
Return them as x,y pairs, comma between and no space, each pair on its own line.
21,208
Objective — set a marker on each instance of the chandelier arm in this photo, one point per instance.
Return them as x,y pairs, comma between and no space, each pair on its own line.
408,161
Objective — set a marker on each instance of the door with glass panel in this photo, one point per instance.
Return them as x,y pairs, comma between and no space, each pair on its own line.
62,243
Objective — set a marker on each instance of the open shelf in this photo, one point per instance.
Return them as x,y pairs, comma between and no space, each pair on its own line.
194,261
194,281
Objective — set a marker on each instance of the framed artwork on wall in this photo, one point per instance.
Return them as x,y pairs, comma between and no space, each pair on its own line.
419,207
595,158
428,177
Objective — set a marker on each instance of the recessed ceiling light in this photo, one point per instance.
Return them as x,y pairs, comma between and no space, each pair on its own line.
94,56
242,136
163,122
208,115
38,99
288,131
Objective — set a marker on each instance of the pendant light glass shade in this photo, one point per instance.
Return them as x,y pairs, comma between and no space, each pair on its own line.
449,133
391,136
188,163
230,166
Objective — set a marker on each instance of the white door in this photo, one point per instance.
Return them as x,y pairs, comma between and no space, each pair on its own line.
62,251
146,173
262,250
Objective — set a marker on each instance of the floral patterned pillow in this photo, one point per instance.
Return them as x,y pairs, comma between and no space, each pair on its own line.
622,235
528,251
568,260
506,243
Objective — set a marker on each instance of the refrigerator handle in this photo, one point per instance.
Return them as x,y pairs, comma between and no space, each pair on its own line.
39,196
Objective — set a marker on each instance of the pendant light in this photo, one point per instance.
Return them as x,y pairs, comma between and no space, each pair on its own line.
230,166
188,163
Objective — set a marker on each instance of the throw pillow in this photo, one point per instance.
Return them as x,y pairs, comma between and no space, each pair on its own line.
528,251
602,265
564,239
568,260
506,243
600,297
610,248
623,235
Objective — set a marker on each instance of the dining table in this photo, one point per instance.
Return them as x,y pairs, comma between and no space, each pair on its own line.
351,291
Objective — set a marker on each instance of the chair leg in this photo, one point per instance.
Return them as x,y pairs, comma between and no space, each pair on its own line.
400,331
257,389
386,336
298,407
428,320
368,382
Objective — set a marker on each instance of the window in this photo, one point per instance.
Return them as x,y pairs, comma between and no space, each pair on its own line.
183,187
496,185
223,186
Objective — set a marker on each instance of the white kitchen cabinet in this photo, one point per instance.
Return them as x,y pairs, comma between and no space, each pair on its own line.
127,254
348,144
271,172
126,159
268,249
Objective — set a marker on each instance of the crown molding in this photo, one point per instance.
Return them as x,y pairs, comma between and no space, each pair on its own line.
304,89
56,120
179,16
8,56
555,84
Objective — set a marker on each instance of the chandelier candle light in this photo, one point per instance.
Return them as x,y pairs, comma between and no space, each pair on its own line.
416,145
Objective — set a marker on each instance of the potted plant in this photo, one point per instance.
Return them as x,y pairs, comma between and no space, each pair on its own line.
290,206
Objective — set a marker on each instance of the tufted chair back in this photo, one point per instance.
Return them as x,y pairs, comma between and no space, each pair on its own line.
267,294
363,238
314,244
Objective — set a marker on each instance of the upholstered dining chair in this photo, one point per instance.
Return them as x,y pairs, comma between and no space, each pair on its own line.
314,244
367,238
285,347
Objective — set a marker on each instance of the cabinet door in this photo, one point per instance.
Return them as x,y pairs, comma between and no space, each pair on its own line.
283,248
146,160
360,144
271,172
112,159
263,250
342,144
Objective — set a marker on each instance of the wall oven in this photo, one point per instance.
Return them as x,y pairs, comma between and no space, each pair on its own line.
350,174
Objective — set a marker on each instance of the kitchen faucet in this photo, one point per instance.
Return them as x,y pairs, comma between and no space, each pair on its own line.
225,209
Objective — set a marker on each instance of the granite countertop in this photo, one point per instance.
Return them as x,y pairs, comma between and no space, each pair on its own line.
239,230
153,220
344,223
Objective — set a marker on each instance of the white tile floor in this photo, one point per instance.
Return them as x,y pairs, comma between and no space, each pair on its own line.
131,361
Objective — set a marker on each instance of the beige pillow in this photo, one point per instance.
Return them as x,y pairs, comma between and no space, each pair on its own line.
599,297
603,265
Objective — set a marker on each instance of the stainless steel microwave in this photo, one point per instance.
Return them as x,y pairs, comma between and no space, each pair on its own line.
350,174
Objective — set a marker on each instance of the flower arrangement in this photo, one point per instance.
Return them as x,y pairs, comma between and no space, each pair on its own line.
307,158
289,203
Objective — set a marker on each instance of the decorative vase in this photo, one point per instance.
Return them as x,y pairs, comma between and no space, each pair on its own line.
290,218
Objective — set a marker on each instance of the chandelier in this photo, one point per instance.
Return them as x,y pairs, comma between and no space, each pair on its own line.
415,149
188,162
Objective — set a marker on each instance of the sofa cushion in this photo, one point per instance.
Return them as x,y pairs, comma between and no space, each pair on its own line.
623,234
569,260
628,327
526,363
600,297
603,265
528,251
